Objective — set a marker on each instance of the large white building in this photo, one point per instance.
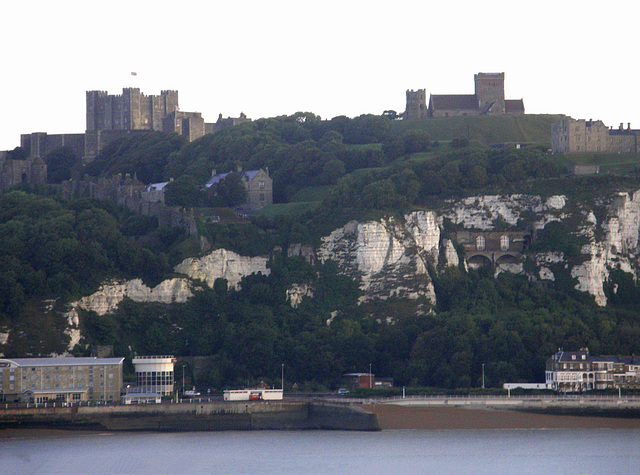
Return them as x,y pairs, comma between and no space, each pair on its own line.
63,379
154,374
572,371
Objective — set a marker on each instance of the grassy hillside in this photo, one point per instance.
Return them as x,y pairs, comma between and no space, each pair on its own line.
486,130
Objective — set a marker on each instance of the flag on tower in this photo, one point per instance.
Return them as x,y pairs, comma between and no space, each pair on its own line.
134,73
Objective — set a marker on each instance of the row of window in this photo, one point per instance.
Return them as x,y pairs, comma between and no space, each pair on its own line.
481,243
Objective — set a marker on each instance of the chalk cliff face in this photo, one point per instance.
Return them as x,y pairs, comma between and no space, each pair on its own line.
389,257
618,248
222,264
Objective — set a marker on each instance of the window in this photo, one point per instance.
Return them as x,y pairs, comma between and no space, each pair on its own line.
480,243
504,243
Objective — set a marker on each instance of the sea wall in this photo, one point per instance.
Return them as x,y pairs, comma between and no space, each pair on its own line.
205,416
580,406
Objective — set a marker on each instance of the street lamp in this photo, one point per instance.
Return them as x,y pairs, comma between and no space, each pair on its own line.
482,375
283,379
370,378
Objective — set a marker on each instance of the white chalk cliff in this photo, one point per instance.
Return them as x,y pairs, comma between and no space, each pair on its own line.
388,257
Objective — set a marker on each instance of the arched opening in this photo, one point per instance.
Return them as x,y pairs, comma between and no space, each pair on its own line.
478,261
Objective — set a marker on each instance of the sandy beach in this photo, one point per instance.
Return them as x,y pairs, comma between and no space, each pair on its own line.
393,417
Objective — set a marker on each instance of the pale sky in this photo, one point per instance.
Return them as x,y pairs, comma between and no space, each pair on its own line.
350,57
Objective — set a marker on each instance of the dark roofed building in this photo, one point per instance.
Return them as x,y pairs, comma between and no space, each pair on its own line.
572,371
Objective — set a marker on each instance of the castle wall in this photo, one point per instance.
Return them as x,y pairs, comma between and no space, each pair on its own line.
40,144
188,124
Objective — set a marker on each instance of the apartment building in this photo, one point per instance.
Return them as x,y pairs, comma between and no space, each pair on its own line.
62,379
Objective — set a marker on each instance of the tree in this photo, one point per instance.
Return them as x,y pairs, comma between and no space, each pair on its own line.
232,190
182,192
416,141
59,164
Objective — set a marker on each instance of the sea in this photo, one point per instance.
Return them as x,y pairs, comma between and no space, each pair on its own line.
552,451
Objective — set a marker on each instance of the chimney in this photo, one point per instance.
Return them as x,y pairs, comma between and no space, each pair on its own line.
628,125
621,126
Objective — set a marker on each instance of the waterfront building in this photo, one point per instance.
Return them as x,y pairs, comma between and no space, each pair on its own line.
61,379
572,371
154,374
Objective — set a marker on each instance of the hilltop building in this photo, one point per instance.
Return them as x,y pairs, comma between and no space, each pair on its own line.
222,123
576,136
488,99
573,371
110,117
416,105
63,379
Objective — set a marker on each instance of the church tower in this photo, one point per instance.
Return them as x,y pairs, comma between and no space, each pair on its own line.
490,93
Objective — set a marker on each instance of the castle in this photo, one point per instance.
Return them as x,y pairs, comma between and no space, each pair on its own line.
488,100
110,117
575,136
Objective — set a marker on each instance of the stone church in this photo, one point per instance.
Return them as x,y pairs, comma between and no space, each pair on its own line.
488,99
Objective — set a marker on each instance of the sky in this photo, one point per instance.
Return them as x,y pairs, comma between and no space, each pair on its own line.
277,57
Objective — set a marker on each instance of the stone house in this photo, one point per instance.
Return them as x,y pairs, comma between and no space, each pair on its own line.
259,187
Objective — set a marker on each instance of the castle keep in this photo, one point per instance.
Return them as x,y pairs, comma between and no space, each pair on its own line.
488,99
130,111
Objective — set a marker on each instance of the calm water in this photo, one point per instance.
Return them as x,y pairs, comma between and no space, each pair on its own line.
599,451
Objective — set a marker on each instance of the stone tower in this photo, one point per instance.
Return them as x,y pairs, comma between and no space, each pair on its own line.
490,93
416,105
130,111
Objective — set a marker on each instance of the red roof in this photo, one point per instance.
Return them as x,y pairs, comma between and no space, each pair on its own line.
514,105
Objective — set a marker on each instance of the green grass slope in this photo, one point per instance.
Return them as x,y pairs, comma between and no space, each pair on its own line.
486,130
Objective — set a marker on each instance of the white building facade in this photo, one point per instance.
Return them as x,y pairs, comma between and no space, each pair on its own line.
154,374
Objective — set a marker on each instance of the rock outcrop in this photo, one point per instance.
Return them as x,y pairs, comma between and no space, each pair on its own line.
388,257
222,264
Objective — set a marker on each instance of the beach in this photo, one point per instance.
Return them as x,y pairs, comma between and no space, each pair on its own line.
394,417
